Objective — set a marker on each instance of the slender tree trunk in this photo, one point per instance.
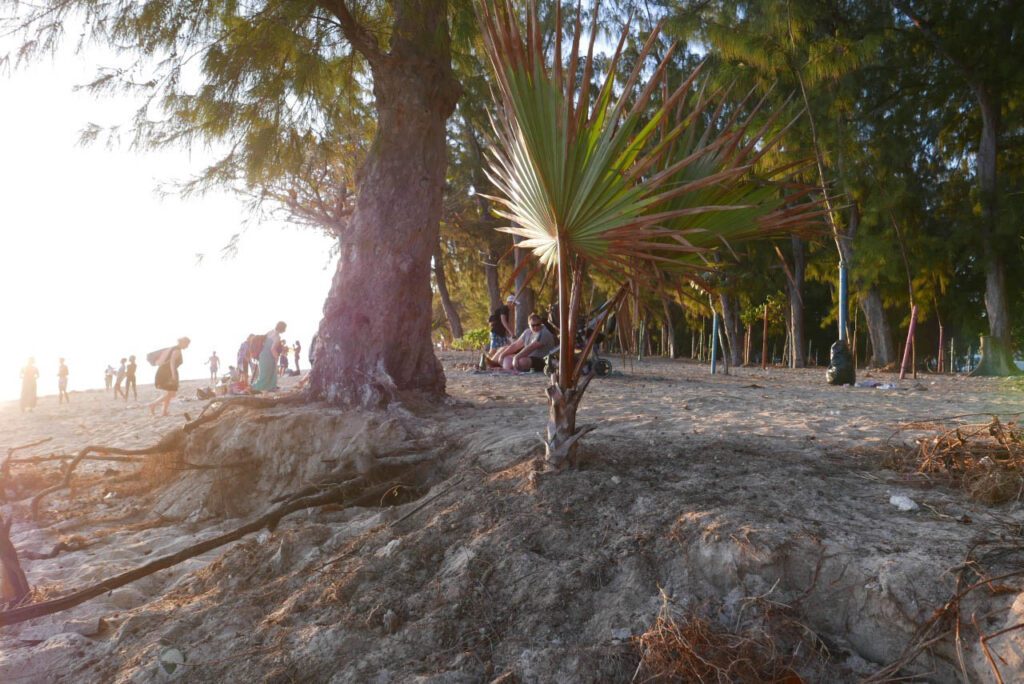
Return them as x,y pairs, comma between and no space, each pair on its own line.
670,329
796,306
376,326
883,351
732,327
493,285
454,323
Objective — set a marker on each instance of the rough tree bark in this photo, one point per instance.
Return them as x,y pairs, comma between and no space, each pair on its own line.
883,350
450,312
376,326
998,355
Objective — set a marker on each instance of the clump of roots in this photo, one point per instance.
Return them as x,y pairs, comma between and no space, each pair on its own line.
684,647
986,460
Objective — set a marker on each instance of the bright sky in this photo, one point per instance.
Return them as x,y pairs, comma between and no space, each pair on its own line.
94,266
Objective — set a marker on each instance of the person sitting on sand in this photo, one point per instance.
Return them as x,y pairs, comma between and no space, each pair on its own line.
122,373
62,383
29,375
266,381
167,375
527,352
129,379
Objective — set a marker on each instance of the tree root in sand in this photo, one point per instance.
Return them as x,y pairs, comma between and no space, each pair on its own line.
947,621
688,648
986,460
170,442
355,492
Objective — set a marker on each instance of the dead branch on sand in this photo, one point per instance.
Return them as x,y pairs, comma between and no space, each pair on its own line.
986,460
354,492
5,470
170,442
688,648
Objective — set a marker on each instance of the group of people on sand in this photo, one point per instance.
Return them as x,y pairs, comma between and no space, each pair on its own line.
262,356
525,353
123,375
30,383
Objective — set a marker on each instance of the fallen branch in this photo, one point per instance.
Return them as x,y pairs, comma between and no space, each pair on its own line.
5,470
355,492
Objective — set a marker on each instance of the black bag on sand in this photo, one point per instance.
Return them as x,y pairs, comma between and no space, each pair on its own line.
840,365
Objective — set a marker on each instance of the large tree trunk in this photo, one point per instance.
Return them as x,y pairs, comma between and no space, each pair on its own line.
998,356
733,329
795,288
376,326
454,323
883,351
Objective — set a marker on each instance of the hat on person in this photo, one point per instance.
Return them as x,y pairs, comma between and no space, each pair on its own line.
511,299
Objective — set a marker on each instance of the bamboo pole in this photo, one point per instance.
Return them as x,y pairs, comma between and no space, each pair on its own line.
764,340
910,342
714,334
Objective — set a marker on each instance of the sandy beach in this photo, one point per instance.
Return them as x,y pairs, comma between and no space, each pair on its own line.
721,456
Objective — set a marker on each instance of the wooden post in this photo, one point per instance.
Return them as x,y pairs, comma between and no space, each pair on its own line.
940,364
910,342
714,334
764,340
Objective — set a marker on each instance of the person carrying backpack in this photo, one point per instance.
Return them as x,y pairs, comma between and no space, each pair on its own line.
167,362
270,349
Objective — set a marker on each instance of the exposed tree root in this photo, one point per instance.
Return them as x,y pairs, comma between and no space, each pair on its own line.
170,442
354,492
5,470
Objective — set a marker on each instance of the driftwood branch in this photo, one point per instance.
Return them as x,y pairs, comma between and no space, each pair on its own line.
355,492
5,470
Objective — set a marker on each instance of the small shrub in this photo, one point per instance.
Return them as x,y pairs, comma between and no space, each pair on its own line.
473,340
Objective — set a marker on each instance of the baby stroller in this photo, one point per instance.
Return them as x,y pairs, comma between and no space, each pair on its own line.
595,363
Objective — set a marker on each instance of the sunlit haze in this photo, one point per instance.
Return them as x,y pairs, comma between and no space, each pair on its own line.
97,267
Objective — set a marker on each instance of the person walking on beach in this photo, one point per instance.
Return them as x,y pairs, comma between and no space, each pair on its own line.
62,384
29,375
167,361
297,350
267,379
129,379
122,372
214,362
108,377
